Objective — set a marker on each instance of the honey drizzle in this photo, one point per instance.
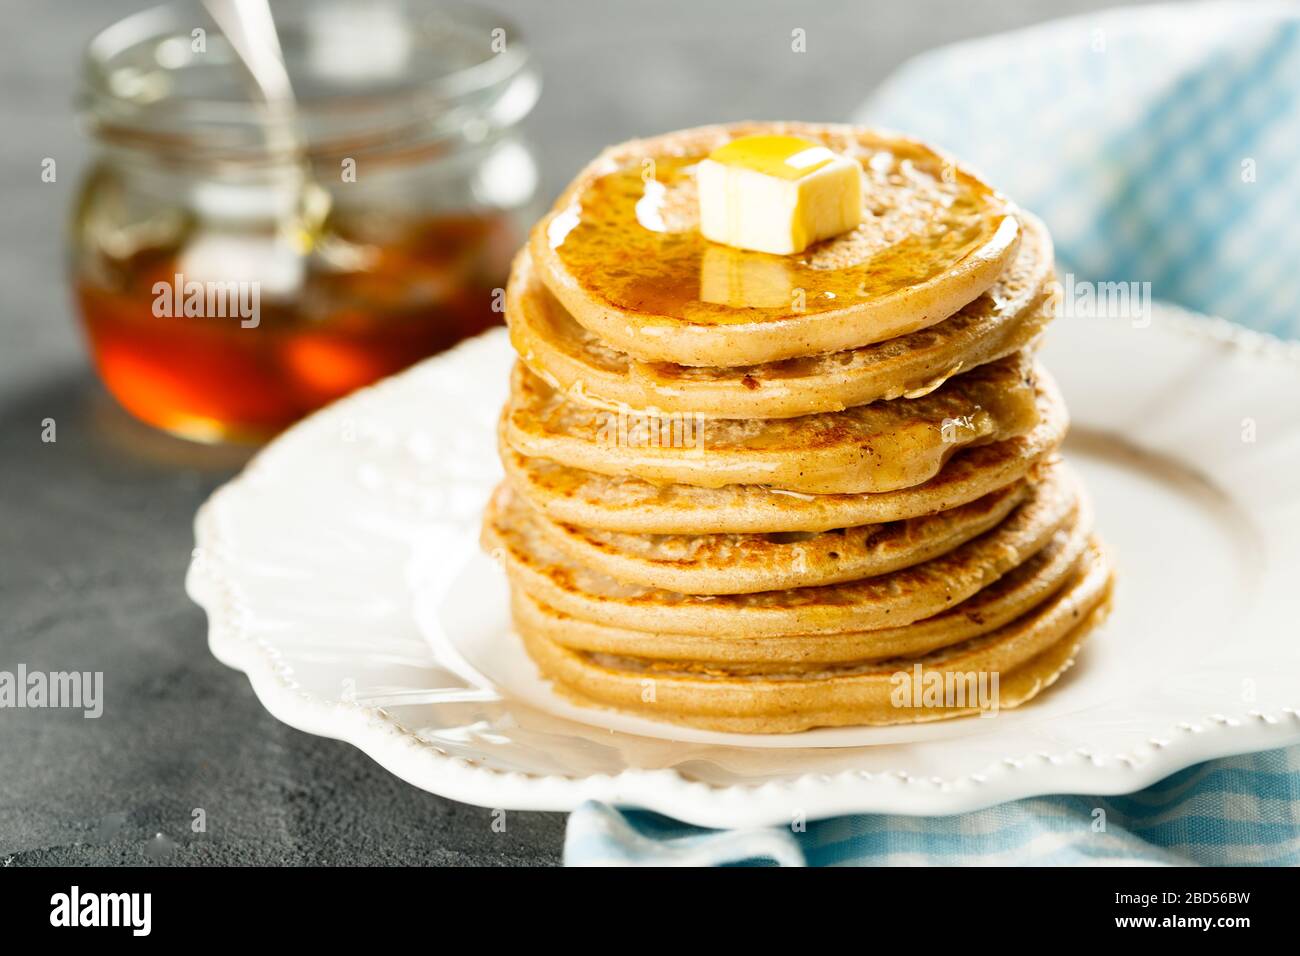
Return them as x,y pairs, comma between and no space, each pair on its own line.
606,245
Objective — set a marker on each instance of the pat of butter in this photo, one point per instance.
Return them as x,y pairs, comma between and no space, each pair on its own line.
777,194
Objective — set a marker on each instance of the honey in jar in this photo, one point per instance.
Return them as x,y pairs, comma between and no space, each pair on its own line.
213,308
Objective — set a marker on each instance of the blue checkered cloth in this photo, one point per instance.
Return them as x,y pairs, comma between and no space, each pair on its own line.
1238,811
1160,144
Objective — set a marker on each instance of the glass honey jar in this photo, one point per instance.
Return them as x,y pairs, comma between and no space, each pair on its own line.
228,285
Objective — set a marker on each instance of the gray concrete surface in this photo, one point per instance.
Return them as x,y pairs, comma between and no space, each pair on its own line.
95,528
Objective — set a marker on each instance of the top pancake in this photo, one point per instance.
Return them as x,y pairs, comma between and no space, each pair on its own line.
622,252
1006,317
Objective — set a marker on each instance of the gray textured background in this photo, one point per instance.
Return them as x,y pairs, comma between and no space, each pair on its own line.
95,528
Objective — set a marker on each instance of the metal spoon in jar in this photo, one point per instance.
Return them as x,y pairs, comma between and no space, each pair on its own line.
250,29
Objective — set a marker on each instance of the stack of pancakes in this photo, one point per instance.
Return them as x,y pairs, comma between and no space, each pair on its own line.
758,493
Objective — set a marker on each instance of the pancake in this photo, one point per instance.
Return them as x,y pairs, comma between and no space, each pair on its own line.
1007,317
762,494
1024,657
746,563
624,503
621,250
871,448
510,531
1006,599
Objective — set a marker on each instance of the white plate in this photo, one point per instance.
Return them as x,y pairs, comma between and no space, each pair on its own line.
352,538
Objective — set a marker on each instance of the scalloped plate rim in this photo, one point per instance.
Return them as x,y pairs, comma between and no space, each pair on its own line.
667,791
